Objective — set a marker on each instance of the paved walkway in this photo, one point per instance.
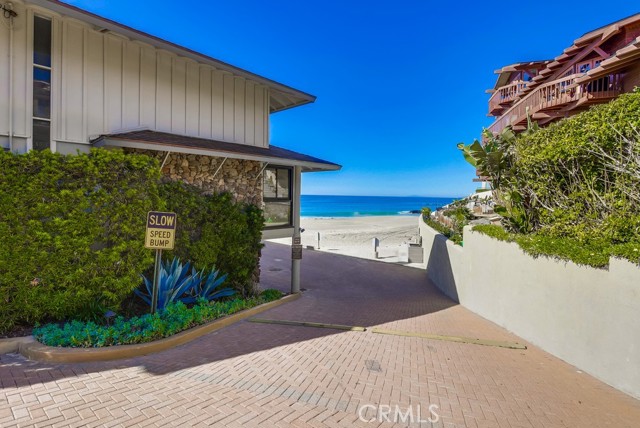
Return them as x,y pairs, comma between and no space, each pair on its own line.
276,375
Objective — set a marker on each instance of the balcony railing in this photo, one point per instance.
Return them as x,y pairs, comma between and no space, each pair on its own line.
559,94
505,95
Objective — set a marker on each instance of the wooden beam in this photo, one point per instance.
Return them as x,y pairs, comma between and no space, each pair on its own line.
586,51
548,115
602,53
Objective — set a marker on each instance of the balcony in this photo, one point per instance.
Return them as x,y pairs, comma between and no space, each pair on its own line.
503,97
554,100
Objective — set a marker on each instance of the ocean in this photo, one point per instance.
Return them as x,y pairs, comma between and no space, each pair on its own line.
354,206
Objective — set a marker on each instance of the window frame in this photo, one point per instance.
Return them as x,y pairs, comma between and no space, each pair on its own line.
288,199
49,68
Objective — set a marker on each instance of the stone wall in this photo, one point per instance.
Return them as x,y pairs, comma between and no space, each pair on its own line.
238,177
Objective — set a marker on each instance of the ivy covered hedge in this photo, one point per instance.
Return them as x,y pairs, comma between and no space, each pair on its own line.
72,232
214,230
572,189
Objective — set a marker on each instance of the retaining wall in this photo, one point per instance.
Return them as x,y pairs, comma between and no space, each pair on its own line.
588,317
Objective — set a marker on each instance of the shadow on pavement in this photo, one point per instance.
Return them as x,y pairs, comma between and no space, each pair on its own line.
339,290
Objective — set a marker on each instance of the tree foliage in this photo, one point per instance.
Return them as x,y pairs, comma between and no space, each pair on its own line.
212,229
578,178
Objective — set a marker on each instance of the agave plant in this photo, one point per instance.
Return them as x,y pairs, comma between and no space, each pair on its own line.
206,287
175,282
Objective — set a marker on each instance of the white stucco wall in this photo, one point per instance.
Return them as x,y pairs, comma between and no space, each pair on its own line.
588,317
104,83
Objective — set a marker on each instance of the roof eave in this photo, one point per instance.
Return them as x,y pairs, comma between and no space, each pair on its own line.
307,166
108,24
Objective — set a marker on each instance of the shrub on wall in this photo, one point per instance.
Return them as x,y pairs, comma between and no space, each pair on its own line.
574,185
212,229
72,231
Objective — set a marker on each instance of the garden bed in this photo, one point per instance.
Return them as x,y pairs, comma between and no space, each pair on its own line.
39,352
176,317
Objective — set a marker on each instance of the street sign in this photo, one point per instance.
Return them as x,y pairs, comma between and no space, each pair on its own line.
161,230
296,252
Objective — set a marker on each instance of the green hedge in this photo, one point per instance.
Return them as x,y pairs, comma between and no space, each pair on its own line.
571,189
595,253
214,230
71,231
565,184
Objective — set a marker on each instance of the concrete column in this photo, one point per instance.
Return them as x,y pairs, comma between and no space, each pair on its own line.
296,248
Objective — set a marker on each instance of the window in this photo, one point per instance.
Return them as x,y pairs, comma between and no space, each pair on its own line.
41,83
585,66
277,197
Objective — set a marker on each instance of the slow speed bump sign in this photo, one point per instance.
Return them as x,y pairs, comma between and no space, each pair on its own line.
161,230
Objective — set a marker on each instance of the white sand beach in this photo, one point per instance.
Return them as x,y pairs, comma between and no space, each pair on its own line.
353,236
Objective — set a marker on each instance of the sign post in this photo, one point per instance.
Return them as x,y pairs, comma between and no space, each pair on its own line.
160,235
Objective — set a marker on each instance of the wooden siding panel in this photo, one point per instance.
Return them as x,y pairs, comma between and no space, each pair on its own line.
148,68
163,94
217,105
265,118
72,74
257,119
113,83
131,87
178,96
238,109
22,76
193,99
94,70
228,114
204,111
249,114
631,78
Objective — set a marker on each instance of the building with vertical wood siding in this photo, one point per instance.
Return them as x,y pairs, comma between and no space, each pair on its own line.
72,80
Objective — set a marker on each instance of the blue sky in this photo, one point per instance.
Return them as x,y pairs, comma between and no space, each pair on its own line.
399,83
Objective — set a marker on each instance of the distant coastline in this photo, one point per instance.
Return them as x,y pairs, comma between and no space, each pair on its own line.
329,206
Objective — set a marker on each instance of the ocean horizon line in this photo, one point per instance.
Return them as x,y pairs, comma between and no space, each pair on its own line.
385,196
330,206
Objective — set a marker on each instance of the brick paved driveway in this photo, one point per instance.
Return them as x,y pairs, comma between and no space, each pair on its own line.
276,375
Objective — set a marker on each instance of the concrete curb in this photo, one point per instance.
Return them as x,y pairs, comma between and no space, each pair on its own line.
38,352
12,345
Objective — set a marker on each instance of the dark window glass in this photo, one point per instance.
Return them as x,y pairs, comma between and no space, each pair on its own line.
277,214
41,41
277,197
41,134
42,93
270,185
283,183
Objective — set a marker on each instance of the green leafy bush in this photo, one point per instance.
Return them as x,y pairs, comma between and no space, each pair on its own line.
595,253
453,235
571,189
457,216
176,317
214,230
72,232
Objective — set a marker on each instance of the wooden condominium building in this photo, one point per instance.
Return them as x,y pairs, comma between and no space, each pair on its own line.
596,68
